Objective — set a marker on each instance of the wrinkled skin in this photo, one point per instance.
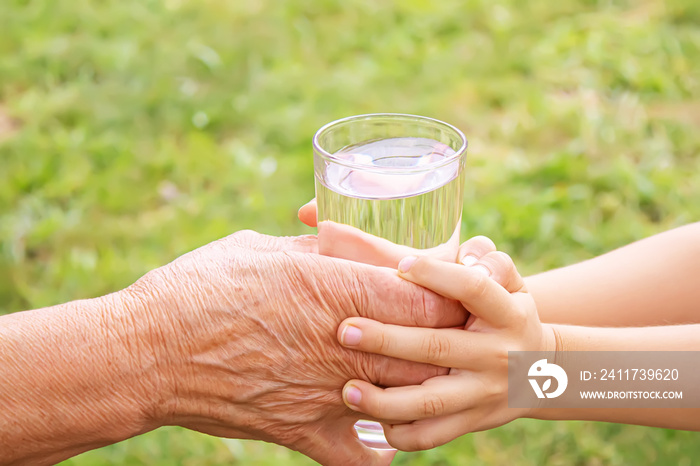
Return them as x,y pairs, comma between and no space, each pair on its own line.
242,335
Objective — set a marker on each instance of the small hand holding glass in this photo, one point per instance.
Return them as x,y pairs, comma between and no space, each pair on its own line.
474,395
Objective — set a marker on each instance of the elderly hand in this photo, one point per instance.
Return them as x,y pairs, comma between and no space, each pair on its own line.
242,332
347,242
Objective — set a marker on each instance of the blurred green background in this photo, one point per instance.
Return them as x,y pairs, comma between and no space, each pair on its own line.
134,131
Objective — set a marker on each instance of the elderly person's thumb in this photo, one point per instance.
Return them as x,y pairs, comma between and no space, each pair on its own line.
346,242
307,213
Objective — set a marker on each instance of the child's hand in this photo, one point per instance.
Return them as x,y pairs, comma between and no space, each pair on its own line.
474,396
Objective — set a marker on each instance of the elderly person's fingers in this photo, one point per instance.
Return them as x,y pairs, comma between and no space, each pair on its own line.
337,445
328,443
474,249
472,286
307,213
341,447
392,300
391,372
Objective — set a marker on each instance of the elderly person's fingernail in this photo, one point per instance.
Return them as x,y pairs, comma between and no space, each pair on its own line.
352,396
406,263
351,336
469,260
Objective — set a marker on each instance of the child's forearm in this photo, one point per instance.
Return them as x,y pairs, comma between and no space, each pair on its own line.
664,338
655,281
670,338
669,418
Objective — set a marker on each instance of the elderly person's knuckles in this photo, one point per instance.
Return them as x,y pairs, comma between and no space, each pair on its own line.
424,308
252,240
239,249
329,366
364,290
243,239
379,294
428,309
303,243
387,371
339,286
354,289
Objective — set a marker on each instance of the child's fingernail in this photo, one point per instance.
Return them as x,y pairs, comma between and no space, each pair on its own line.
353,396
469,260
351,336
482,269
406,263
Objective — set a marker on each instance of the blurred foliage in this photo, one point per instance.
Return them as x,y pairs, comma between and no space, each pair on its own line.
131,132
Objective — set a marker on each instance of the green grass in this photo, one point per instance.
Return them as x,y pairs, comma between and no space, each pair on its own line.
133,131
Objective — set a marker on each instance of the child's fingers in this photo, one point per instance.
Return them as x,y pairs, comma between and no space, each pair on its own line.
503,271
428,433
439,347
482,251
472,286
439,396
474,249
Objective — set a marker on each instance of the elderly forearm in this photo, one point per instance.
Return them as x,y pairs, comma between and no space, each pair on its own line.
70,381
650,282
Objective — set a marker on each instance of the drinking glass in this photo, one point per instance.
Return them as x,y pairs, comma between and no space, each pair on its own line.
399,177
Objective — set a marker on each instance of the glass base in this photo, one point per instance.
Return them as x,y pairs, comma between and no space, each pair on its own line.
371,434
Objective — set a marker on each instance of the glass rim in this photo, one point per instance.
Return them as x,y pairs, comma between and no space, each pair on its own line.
358,166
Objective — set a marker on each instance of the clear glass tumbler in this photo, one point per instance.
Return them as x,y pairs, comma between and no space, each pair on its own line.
399,177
